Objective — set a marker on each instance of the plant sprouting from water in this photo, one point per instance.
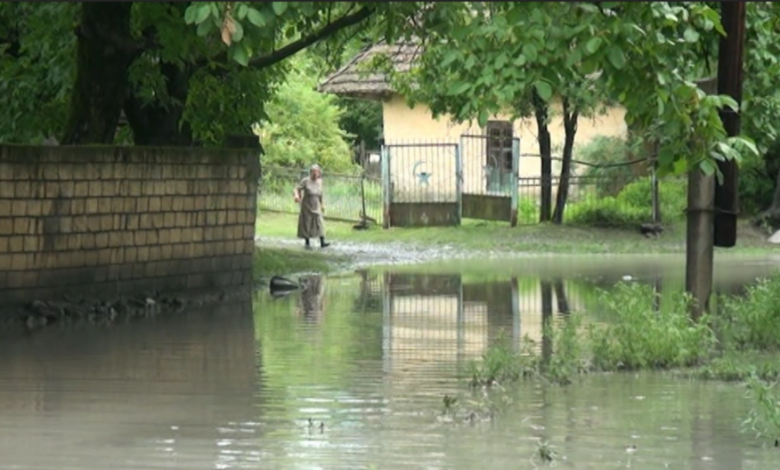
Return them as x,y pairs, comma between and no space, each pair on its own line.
503,363
753,321
764,416
568,350
545,452
642,336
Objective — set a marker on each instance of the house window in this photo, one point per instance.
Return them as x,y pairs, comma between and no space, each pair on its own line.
498,151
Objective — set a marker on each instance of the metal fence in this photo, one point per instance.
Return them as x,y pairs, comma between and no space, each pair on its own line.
424,188
603,195
346,197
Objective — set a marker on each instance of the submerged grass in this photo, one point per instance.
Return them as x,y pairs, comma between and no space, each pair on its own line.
499,236
284,262
641,333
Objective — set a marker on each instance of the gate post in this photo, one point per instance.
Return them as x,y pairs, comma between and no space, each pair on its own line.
459,179
514,181
386,186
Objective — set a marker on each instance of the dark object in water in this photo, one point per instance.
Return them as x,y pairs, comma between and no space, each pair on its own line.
282,286
651,230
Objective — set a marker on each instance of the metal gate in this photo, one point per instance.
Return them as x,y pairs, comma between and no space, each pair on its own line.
420,184
489,165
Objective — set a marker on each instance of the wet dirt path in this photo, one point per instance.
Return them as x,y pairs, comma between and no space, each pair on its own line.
360,255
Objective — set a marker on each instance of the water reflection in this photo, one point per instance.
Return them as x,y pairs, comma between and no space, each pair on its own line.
365,358
311,299
146,393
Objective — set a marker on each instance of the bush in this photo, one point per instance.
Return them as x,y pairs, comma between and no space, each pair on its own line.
632,206
303,126
753,321
605,212
641,337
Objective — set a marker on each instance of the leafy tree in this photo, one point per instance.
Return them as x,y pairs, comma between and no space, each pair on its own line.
183,73
632,51
36,68
303,125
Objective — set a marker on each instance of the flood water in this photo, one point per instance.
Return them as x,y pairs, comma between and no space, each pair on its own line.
368,358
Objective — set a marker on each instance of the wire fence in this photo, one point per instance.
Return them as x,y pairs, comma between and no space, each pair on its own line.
615,195
347,198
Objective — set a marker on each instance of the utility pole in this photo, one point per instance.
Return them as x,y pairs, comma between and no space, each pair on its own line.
712,208
730,59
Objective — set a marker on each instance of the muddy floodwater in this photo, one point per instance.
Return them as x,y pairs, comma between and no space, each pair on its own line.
351,374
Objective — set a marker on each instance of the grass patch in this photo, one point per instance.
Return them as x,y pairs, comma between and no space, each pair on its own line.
270,262
498,236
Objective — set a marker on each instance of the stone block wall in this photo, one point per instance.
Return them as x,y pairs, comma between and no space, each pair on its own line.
108,221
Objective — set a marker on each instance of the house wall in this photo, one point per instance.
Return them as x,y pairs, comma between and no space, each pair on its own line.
109,221
403,124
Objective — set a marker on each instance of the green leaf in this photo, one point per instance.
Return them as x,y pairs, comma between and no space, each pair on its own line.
242,11
707,167
449,57
520,60
501,60
204,11
482,118
255,17
544,90
593,44
190,13
690,34
205,28
238,34
240,55
660,104
530,52
616,57
459,88
279,7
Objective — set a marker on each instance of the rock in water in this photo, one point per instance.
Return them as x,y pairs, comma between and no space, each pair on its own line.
775,238
280,284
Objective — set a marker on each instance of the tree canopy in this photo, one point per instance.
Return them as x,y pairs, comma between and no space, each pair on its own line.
181,73
647,55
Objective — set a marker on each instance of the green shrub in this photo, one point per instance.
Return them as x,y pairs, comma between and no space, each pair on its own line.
753,321
632,206
303,126
764,416
606,212
640,337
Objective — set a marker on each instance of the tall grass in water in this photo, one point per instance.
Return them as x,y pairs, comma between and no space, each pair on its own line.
639,336
764,416
752,322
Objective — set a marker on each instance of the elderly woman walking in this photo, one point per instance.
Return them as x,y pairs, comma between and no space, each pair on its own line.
309,194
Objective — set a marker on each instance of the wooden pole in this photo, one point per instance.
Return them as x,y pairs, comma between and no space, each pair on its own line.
699,240
703,191
730,59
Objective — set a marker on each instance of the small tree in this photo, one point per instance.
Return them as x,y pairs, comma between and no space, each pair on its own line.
303,125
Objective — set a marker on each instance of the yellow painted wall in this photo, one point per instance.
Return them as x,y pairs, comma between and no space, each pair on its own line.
403,124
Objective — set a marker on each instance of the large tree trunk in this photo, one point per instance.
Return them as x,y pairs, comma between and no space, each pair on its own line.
570,117
158,125
545,152
105,50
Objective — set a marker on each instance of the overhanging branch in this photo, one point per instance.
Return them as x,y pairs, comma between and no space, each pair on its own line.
303,43
293,48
